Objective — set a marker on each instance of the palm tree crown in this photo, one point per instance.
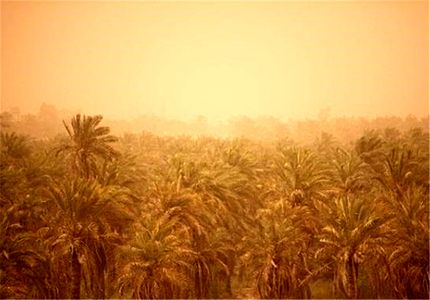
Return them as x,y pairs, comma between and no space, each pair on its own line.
88,142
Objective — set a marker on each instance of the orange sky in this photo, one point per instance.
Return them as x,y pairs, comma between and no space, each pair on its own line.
218,59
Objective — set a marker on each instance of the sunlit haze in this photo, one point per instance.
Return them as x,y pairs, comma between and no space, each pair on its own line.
216,59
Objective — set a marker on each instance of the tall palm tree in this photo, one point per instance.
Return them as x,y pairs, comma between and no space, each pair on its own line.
88,142
198,224
277,251
87,217
353,228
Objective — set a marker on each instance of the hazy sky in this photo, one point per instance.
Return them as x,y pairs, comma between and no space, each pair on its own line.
218,59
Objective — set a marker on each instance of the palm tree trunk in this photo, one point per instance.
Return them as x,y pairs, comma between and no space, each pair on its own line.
231,265
198,285
76,276
102,287
352,278
228,287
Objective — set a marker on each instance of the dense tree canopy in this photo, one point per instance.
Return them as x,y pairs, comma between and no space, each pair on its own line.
90,215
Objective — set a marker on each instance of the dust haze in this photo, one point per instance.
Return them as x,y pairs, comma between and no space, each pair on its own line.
214,150
218,60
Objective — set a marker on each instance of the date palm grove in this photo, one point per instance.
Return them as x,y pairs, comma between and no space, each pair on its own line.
91,215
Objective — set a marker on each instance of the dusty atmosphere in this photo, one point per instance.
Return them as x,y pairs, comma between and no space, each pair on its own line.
214,150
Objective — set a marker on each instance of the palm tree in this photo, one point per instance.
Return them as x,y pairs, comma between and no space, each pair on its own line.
304,177
88,217
369,145
88,143
400,169
277,251
13,147
348,172
212,263
395,165
20,258
408,253
353,228
156,263
198,224
325,144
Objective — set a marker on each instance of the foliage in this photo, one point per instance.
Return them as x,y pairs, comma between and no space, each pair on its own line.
88,142
90,215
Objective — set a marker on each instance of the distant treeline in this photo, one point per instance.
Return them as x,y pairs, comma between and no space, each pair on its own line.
48,123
